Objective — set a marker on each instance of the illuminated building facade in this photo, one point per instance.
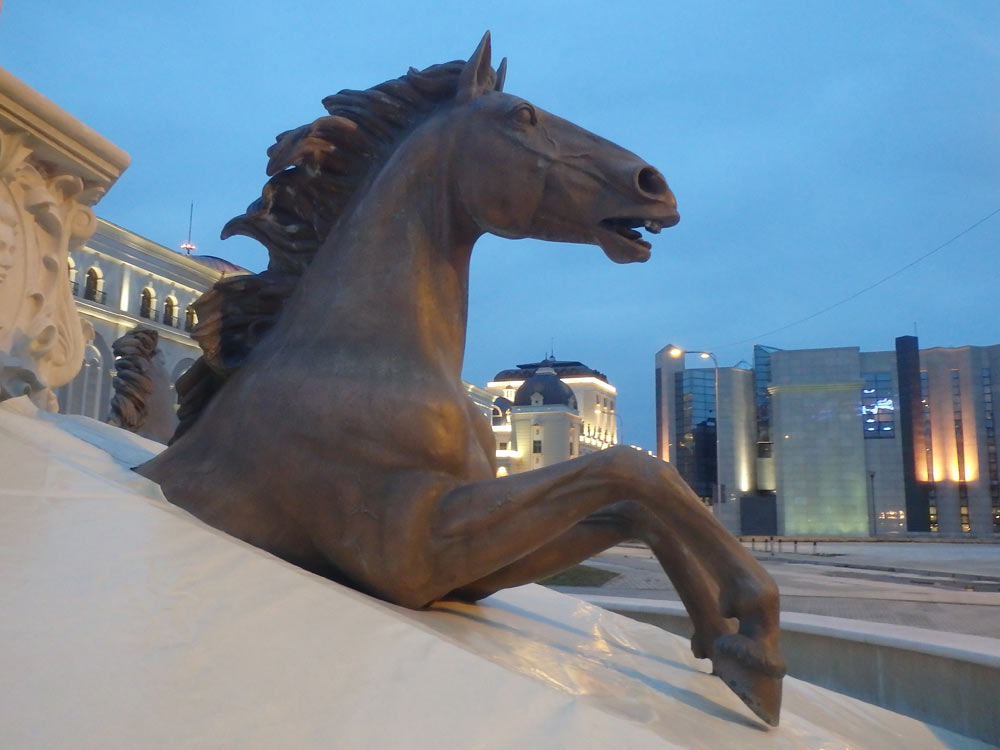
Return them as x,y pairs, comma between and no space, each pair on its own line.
949,400
550,411
709,440
120,280
843,442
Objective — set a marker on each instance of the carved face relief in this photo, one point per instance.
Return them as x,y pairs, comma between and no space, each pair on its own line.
6,251
11,259
6,248
40,216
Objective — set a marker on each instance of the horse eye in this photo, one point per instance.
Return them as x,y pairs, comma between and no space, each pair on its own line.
524,115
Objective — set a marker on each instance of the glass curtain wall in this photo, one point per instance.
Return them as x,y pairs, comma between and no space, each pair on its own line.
695,430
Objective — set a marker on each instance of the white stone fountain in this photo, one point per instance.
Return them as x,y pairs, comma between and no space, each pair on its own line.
127,622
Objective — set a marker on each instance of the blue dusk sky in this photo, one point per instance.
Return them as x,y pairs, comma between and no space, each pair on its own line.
814,149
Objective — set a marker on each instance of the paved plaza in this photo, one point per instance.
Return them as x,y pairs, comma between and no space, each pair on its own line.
953,587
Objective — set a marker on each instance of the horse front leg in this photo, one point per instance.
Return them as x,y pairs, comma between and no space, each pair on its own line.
480,528
602,530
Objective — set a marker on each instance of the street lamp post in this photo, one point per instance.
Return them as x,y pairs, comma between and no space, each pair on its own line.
676,353
872,526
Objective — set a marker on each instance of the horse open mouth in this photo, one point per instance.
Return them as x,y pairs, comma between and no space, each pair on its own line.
634,248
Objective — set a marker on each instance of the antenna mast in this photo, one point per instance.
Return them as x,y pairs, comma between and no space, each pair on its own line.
188,246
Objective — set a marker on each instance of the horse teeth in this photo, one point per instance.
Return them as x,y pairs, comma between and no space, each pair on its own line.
654,226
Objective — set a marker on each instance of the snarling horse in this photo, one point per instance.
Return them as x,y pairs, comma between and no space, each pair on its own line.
327,422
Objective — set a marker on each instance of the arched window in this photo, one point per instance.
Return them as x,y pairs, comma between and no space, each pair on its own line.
170,311
74,287
190,318
147,304
93,288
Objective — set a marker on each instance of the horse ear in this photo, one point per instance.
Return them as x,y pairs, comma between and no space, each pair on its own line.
477,75
501,75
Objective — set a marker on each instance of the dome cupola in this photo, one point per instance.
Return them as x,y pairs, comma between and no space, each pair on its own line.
544,388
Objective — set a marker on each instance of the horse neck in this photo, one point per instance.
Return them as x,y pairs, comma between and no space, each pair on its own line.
391,282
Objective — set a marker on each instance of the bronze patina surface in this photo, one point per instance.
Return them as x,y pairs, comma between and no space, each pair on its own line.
327,421
143,402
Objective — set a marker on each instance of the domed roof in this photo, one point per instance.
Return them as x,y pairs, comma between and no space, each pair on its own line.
563,368
502,404
220,264
544,388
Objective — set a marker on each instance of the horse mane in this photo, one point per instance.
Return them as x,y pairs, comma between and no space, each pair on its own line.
132,384
315,171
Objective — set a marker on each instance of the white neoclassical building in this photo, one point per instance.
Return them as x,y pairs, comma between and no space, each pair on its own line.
549,411
120,280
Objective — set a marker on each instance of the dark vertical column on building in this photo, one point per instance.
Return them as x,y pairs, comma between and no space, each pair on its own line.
694,452
660,448
910,416
762,379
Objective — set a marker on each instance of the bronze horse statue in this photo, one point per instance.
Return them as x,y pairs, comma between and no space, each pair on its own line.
327,422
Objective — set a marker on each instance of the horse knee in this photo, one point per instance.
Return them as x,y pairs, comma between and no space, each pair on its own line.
406,585
471,594
629,517
411,597
767,595
621,464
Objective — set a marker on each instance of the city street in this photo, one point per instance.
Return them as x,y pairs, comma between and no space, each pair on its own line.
940,586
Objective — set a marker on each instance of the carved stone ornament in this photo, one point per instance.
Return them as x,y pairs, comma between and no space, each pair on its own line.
143,402
52,170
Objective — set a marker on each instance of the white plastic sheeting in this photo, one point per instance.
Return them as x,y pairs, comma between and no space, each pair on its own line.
126,623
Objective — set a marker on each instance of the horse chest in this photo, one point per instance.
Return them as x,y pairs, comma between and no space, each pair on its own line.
442,434
389,423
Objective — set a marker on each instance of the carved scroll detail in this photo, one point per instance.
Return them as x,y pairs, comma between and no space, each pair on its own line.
41,219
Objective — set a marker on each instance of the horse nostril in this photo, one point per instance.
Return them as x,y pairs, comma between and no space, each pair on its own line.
651,182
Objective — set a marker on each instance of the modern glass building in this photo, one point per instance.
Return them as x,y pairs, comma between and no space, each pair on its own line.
709,439
695,430
839,441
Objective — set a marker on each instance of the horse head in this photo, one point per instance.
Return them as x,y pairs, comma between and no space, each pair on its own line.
524,172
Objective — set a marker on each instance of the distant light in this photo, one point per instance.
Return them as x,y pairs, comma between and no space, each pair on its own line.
188,246
786,437
705,355
675,352
881,405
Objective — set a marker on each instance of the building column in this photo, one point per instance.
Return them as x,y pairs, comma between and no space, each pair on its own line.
911,433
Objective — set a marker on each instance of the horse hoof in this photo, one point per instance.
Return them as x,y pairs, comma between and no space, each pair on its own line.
700,648
758,685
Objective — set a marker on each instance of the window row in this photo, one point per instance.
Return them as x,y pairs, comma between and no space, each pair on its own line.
93,290
878,405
